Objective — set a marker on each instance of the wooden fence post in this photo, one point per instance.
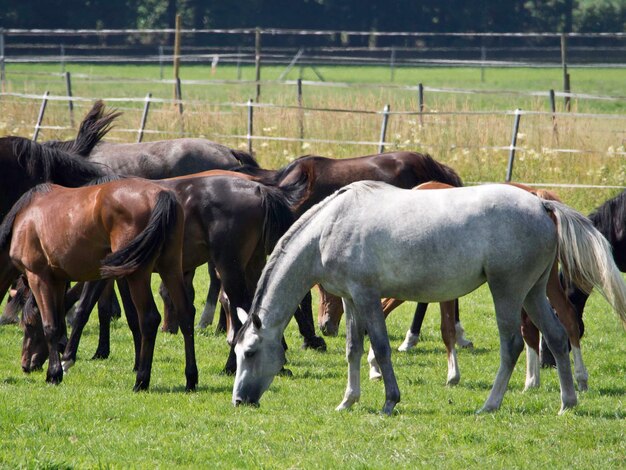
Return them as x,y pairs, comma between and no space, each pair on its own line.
250,125
179,96
42,110
392,63
144,118
176,55
2,70
420,100
566,81
62,58
70,102
383,129
257,63
301,111
553,109
509,170
161,58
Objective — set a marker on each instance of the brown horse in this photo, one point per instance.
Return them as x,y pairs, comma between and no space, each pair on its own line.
125,228
449,311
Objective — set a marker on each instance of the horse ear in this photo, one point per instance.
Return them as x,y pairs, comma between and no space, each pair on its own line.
242,314
256,321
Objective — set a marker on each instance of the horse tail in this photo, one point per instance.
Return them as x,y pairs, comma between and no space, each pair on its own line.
145,246
586,257
244,158
278,216
94,126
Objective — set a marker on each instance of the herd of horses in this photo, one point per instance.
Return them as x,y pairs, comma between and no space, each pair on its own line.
98,213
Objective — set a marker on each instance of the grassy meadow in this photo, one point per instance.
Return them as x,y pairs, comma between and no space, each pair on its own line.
93,419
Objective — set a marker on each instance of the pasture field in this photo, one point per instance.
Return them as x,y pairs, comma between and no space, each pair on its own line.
93,419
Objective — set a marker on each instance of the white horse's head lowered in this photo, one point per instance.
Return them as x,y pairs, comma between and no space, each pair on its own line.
259,358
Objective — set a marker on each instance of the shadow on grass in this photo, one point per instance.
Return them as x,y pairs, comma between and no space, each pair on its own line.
199,389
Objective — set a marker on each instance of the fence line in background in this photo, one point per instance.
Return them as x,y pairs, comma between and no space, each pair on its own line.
381,143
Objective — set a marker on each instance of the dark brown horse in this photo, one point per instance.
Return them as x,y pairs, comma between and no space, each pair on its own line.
125,228
230,221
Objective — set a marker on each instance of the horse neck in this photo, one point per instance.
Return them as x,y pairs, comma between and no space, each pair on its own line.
282,288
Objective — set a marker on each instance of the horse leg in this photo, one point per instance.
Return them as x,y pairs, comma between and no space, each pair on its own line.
131,318
329,312
570,320
540,312
370,308
461,340
304,318
149,319
448,334
211,299
413,334
355,332
89,296
72,295
15,303
108,308
49,295
530,333
388,305
507,309
185,313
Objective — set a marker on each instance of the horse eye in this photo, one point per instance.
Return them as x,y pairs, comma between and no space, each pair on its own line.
248,354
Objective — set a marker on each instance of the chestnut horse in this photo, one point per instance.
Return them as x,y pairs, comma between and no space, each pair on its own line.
124,228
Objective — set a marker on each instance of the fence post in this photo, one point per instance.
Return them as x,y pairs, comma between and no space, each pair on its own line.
553,109
257,62
509,170
42,110
70,102
144,118
161,62
420,100
250,125
301,112
2,71
383,129
62,58
392,63
566,82
177,55
179,96
483,58
238,62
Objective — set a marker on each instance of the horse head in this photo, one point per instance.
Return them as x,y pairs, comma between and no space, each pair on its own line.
260,356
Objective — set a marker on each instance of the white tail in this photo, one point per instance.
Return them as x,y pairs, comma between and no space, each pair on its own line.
586,257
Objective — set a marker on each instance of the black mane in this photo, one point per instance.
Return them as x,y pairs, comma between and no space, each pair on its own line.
610,218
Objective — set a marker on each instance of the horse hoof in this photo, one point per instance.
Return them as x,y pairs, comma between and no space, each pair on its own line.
54,379
452,381
8,320
172,329
317,343
583,386
141,386
100,355
410,341
388,408
67,364
375,373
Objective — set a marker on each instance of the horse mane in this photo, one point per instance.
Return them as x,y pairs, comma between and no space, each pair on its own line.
6,228
42,161
105,179
610,217
437,171
294,230
244,158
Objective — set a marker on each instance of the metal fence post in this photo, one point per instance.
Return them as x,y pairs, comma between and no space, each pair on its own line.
420,100
161,62
70,102
509,170
250,125
392,63
62,58
144,118
2,71
566,81
42,110
383,129
301,111
553,109
179,96
257,63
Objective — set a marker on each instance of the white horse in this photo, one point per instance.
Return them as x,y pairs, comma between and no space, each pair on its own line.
371,240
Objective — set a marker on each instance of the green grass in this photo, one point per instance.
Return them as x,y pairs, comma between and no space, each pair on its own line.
94,419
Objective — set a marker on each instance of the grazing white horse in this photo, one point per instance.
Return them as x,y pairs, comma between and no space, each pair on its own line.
371,240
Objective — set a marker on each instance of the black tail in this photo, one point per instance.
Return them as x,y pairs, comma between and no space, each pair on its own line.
278,216
146,246
244,158
95,125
